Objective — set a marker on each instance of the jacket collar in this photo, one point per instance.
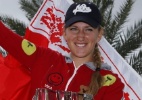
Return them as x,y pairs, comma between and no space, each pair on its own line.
90,65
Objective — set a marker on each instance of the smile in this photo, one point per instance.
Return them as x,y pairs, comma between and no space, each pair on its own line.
81,45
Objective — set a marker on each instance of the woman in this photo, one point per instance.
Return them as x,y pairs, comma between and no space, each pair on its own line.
82,71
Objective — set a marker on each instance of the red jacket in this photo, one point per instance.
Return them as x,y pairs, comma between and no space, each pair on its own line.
52,70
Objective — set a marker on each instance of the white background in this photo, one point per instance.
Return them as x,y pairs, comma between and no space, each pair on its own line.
12,8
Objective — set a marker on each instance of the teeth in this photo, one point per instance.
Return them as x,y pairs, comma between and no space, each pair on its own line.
80,45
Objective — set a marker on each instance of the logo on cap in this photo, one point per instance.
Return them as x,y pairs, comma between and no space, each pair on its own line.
82,8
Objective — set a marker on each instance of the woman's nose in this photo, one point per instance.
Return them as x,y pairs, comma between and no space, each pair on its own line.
81,35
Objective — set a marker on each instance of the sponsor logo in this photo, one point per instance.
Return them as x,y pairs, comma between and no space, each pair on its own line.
82,8
109,80
28,47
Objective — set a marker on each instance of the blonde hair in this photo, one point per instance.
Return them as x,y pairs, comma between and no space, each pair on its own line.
97,79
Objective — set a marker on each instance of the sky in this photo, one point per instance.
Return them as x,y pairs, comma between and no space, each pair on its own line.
12,8
135,14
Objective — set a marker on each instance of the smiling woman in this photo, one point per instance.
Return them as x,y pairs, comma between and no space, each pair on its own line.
82,71
81,39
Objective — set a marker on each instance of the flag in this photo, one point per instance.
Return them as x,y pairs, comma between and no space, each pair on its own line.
128,75
46,29
14,79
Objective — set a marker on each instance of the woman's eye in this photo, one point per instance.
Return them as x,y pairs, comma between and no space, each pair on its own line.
73,28
89,29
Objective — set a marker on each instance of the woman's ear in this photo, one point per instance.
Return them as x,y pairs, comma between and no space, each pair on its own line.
101,32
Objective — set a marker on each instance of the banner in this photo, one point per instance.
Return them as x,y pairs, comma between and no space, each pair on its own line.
128,75
46,30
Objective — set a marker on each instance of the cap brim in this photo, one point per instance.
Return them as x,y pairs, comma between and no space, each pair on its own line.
85,19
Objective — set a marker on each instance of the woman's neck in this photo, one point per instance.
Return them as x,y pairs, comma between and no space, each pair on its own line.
79,61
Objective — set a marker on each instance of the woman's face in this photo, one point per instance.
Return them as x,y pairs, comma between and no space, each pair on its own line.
81,39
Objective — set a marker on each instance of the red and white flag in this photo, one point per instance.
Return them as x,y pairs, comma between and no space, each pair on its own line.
45,30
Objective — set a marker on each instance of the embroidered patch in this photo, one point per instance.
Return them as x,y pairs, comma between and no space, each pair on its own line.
28,47
55,79
82,8
109,80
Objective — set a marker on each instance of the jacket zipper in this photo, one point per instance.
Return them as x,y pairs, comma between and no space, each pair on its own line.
74,73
